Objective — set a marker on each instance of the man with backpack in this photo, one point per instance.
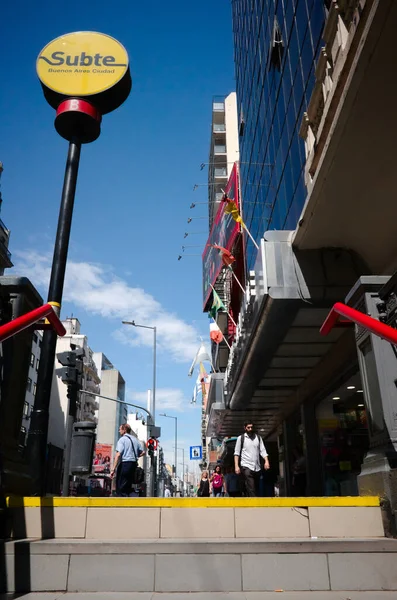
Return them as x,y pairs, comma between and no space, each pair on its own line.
247,458
128,450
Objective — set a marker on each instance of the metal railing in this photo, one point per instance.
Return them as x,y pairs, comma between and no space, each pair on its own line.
5,250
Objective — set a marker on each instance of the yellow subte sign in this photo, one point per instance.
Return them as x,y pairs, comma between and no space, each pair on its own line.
82,64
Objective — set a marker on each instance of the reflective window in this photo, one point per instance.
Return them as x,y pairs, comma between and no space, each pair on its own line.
274,95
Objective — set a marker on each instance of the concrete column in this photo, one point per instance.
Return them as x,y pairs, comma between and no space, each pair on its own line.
378,366
290,432
314,473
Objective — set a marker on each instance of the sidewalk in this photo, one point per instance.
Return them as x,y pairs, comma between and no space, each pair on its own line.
205,596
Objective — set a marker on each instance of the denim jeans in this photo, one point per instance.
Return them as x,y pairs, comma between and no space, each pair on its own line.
217,492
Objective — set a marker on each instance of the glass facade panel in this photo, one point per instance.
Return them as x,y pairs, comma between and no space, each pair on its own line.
271,99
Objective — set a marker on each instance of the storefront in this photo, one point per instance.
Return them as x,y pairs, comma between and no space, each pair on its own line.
322,444
343,437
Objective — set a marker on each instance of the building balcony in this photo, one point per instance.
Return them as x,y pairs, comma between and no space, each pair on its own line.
218,128
5,256
219,149
90,399
5,230
91,386
220,173
350,131
218,107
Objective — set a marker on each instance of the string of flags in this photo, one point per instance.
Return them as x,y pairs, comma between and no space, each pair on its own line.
231,209
216,335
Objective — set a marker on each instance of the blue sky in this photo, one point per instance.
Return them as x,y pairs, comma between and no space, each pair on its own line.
135,183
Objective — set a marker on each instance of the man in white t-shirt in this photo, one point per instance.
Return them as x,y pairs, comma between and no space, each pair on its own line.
248,452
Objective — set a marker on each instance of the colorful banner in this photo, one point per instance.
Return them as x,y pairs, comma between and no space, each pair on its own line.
102,458
223,233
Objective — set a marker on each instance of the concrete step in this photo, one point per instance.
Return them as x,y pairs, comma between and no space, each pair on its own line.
205,596
185,566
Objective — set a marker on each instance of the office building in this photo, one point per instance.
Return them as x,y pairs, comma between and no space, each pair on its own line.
5,254
31,384
224,150
87,405
317,130
110,414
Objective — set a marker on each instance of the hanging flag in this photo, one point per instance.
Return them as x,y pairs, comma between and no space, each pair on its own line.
197,389
204,380
201,356
231,209
215,333
227,257
217,304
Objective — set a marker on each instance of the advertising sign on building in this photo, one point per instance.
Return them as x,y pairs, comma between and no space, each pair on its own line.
102,458
223,233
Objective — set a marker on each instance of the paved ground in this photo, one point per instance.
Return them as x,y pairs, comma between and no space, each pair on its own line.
207,596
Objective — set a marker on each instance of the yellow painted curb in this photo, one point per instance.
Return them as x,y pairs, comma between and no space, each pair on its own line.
17,502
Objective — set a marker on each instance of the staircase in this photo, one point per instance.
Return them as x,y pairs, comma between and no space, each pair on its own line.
243,548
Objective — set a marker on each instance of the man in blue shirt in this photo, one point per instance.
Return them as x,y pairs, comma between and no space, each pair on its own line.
128,450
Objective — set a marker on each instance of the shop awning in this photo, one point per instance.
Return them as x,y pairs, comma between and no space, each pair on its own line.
279,355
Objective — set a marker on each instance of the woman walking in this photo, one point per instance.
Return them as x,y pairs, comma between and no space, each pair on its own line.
204,487
217,481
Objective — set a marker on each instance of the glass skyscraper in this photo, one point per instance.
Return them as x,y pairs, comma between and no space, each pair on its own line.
276,44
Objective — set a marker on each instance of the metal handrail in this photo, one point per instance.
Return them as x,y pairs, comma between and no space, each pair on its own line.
373,325
24,321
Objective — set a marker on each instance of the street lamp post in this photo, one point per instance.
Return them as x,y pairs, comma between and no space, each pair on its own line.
183,466
153,483
153,411
176,437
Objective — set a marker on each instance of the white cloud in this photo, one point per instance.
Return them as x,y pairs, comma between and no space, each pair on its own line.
166,399
97,289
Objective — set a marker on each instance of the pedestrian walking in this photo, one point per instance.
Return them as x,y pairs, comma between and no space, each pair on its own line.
167,492
247,459
217,480
204,487
128,450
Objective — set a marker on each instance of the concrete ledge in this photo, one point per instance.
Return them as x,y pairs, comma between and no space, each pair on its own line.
192,566
17,502
204,596
361,521
111,573
200,523
39,573
197,546
219,521
276,523
285,572
198,573
363,572
122,524
48,522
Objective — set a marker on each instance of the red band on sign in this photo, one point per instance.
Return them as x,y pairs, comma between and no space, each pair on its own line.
82,106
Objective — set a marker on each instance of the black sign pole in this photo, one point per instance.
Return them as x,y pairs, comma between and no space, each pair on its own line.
78,121
40,414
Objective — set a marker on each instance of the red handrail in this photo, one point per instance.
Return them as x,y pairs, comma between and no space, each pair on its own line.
373,325
20,323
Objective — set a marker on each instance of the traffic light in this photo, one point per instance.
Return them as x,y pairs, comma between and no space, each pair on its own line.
72,370
151,444
150,447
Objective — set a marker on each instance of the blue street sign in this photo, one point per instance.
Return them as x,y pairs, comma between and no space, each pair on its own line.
196,452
